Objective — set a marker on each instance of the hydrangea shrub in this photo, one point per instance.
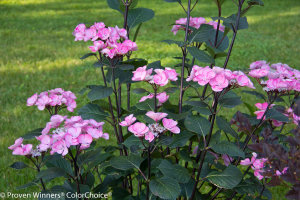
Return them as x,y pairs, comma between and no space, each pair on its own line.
165,150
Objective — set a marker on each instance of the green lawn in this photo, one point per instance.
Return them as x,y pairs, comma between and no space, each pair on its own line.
38,53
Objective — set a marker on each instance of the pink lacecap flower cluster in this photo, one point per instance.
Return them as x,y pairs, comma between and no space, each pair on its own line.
195,22
279,77
55,97
160,78
151,131
259,165
110,41
161,97
289,113
219,78
66,132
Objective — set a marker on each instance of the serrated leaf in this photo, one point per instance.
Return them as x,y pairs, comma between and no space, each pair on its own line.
126,162
225,126
139,91
92,111
230,100
181,139
51,173
200,55
201,34
228,179
60,163
228,148
99,92
275,114
114,4
174,171
165,188
139,15
18,165
197,124
146,105
32,134
197,103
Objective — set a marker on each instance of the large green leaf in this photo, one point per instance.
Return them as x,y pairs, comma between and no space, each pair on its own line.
146,105
201,34
60,163
99,92
180,140
139,91
200,55
174,171
228,148
228,179
92,111
126,162
51,173
114,4
197,124
165,188
275,114
139,15
18,165
32,134
225,126
230,100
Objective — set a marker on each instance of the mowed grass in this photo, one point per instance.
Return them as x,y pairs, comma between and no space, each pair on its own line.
38,53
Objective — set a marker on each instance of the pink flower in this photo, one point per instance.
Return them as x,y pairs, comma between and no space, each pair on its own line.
171,74
74,131
103,33
258,175
97,46
259,73
156,116
90,33
258,64
162,97
144,98
138,129
122,32
23,150
85,140
17,143
160,78
128,120
130,45
262,107
149,136
247,161
218,83
204,75
59,147
171,125
99,25
45,142
32,100
139,74
243,80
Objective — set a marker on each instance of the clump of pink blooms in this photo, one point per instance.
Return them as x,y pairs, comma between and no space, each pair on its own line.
219,78
151,131
110,41
288,112
160,78
60,134
259,166
195,22
161,97
275,77
53,98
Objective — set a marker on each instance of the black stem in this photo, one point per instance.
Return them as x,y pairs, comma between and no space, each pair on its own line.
184,54
149,170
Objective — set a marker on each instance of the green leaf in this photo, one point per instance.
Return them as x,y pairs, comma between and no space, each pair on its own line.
139,15
230,100
231,20
275,114
197,104
256,2
180,140
99,92
131,6
126,162
187,188
136,62
225,126
51,173
155,65
257,94
222,42
171,89
228,179
32,134
178,43
174,171
197,124
146,105
125,67
131,141
30,184
200,55
139,90
228,148
114,4
87,55
92,111
248,186
60,163
201,34
165,188
18,165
